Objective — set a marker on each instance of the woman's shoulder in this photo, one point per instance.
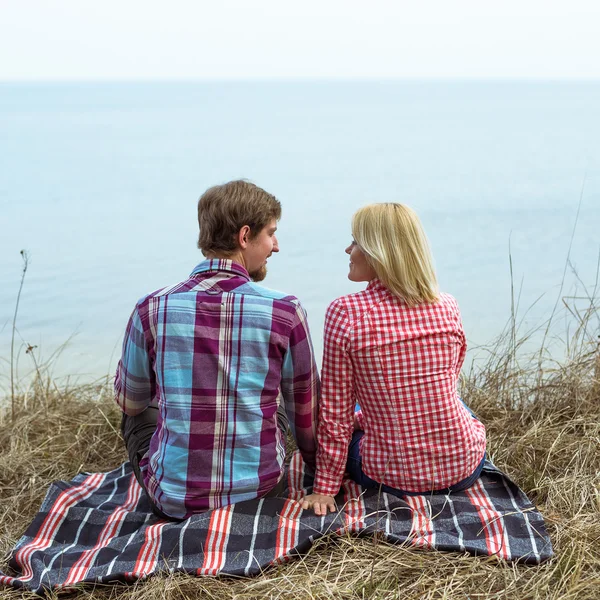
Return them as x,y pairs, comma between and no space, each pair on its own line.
351,302
350,307
447,302
446,298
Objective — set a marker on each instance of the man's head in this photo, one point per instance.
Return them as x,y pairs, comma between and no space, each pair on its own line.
238,220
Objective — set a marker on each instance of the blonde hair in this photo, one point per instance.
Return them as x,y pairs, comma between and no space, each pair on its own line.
395,244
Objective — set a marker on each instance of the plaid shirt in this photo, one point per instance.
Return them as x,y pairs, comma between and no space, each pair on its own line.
401,365
213,353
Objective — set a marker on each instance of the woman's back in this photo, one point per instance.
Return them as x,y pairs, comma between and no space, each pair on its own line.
403,363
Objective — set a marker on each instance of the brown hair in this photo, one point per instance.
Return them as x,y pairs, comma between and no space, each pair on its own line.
224,209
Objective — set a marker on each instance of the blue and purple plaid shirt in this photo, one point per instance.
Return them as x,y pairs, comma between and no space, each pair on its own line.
214,353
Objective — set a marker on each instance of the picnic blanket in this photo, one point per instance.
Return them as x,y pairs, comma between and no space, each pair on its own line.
98,528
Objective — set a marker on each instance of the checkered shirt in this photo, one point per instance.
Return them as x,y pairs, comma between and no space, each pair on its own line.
216,353
401,365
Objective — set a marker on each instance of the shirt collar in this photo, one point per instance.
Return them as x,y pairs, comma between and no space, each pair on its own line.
376,285
213,265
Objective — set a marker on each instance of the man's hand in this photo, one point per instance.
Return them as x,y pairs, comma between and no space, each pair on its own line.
319,504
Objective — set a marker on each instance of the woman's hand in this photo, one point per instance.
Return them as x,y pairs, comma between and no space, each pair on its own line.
319,504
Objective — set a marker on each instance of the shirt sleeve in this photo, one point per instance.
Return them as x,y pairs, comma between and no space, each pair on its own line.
300,387
463,342
134,381
337,404
359,419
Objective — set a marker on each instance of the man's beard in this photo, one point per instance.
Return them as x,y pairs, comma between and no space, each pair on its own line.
259,274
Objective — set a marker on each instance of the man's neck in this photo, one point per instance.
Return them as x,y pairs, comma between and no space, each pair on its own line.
236,257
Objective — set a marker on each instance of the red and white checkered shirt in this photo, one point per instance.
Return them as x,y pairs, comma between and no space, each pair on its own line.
401,365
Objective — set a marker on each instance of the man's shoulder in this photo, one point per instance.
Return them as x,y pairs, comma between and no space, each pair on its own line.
259,292
147,300
253,293
180,286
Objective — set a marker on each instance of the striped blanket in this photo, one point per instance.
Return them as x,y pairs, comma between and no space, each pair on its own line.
97,528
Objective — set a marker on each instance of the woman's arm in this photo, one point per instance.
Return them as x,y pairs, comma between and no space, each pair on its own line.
462,341
319,504
336,414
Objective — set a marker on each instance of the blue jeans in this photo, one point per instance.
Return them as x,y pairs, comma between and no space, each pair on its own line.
354,469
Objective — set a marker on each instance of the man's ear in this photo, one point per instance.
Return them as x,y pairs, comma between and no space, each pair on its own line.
243,236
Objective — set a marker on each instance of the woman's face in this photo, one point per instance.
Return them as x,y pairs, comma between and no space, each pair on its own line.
360,269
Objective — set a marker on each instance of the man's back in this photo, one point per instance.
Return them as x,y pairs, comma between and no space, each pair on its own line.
213,353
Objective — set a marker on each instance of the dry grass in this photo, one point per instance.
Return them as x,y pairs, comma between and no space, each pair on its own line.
543,430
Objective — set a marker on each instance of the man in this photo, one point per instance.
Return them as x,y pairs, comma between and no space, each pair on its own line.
204,362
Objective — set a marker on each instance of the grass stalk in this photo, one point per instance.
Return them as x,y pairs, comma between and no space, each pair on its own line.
25,257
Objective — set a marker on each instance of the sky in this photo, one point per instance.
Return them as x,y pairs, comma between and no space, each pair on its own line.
275,39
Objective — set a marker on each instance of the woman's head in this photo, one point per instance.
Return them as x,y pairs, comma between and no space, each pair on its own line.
392,239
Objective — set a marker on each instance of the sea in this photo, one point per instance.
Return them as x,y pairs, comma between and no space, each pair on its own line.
99,184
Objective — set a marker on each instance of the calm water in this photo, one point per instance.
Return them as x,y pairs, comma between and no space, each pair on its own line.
99,182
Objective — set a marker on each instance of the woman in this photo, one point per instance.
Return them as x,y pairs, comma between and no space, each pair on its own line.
396,350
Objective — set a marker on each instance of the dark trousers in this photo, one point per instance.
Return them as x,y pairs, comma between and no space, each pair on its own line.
354,470
137,432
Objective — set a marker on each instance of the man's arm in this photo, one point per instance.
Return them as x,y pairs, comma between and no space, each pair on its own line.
134,382
300,387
